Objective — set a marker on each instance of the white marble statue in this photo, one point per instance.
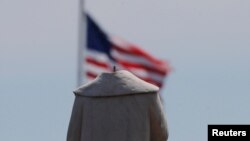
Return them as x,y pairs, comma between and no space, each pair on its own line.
117,106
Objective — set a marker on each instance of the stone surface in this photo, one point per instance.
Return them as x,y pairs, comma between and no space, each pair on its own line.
117,107
114,84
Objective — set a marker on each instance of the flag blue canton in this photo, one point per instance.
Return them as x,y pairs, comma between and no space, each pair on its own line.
96,39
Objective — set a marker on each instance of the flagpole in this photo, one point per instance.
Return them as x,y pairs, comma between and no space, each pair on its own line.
81,43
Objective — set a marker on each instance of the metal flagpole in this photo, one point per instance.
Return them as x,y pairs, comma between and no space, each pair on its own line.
81,43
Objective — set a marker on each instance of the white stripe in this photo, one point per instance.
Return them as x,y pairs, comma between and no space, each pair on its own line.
119,41
95,69
140,72
146,74
89,78
100,57
132,58
137,71
124,44
139,60
143,73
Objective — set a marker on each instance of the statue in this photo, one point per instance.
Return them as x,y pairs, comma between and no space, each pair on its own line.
117,106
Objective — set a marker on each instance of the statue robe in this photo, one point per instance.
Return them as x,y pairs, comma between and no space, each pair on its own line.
117,107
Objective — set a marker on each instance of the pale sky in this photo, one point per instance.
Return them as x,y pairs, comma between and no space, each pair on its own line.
206,41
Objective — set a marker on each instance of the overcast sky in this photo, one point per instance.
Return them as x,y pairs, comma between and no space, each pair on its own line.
206,42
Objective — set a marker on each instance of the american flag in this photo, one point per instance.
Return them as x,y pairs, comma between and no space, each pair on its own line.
103,52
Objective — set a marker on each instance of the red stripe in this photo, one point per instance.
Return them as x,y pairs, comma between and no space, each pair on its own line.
159,84
149,80
134,50
161,70
91,74
97,63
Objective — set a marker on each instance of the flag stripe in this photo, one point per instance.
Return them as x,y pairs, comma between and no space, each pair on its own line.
97,63
139,60
143,73
152,81
136,51
142,66
91,74
100,56
95,68
146,77
103,52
